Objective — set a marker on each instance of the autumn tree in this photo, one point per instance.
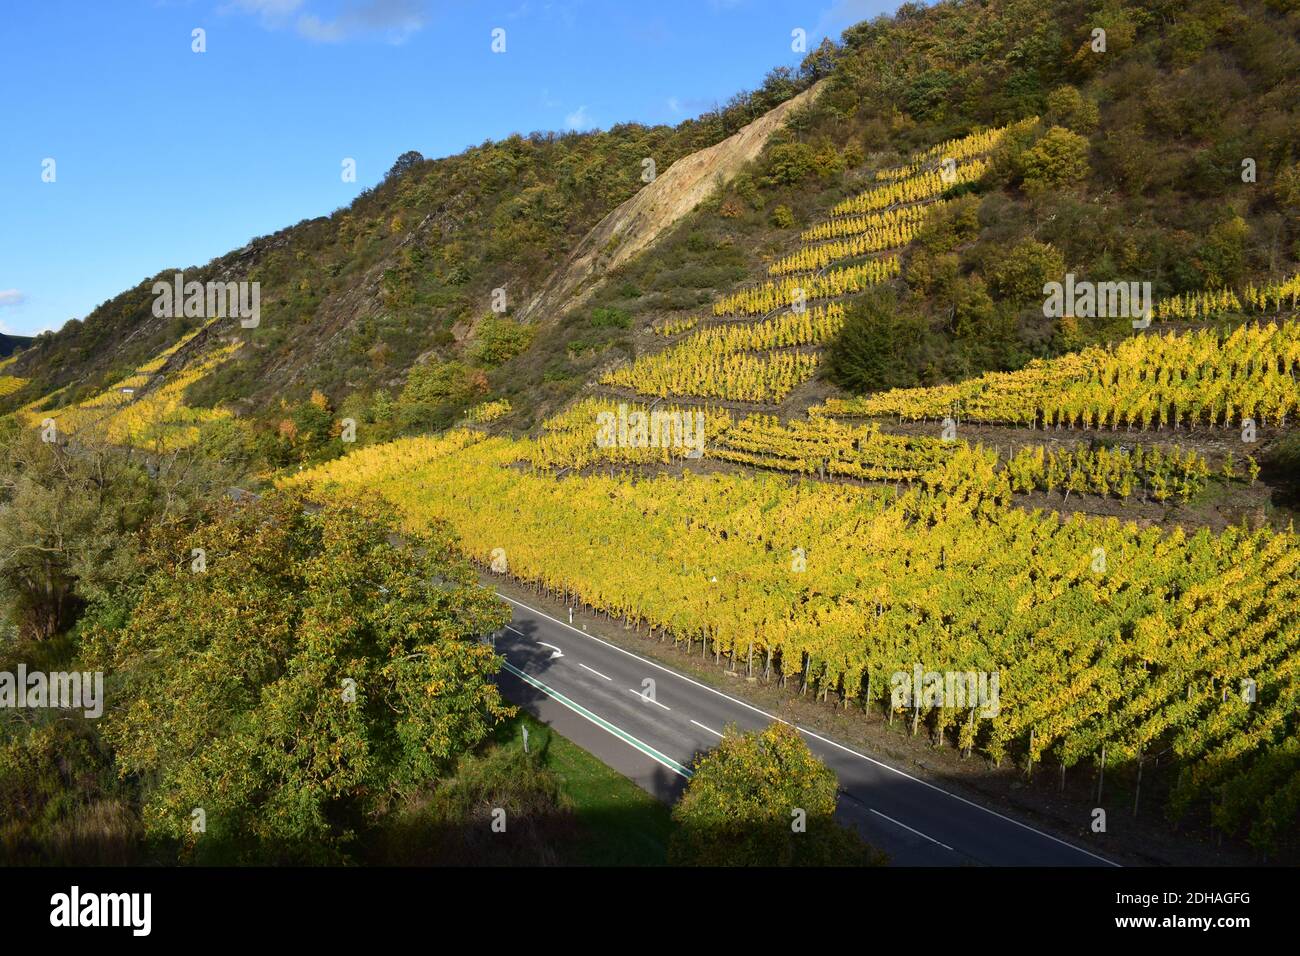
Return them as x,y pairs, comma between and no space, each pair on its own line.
763,799
1059,159
70,519
288,671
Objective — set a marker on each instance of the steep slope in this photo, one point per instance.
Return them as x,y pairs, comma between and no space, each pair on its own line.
637,223
406,273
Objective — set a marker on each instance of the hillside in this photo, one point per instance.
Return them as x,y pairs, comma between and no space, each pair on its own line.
869,434
352,301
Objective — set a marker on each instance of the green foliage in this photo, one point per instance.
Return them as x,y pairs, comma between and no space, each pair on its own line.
60,800
1068,108
1221,256
436,382
742,806
1025,268
1287,188
1058,160
499,339
448,825
311,673
880,345
783,217
609,317
789,164
950,225
70,517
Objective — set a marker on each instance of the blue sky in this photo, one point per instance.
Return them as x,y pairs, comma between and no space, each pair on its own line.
166,157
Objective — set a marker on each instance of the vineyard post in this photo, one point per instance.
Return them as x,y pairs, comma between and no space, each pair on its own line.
1101,778
1137,793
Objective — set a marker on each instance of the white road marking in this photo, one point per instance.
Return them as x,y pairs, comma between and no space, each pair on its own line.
648,700
747,706
709,729
910,830
593,670
602,723
558,652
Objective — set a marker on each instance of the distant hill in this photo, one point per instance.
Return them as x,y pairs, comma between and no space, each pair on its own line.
11,343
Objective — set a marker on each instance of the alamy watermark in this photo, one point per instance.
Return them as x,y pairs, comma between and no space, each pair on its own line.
654,429
211,300
66,690
949,690
1091,300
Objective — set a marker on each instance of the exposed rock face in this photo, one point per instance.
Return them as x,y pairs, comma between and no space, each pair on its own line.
634,225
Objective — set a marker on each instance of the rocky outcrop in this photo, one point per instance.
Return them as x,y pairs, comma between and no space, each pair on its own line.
634,225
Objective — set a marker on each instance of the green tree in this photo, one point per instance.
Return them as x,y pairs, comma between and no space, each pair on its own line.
1286,188
1058,160
70,519
436,382
1221,256
789,164
499,339
879,346
1067,107
307,675
1025,268
763,799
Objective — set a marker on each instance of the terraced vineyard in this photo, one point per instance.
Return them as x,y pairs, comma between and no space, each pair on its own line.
157,419
1109,640
1204,377
836,258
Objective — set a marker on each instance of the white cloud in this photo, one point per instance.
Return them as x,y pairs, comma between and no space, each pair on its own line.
394,20
674,104
579,119
11,297
270,11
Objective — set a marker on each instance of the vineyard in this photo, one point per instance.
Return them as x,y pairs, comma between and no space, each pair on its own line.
1212,303
157,419
487,412
828,449
792,291
1205,377
720,362
716,362
917,187
1112,643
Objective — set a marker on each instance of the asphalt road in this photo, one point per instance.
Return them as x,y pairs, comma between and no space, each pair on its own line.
649,723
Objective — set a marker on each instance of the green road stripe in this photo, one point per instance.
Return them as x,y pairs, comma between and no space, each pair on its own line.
601,722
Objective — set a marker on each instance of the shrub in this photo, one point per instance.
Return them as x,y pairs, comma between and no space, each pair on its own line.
879,346
1058,160
500,339
604,317
745,804
789,164
1027,266
782,217
1069,108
